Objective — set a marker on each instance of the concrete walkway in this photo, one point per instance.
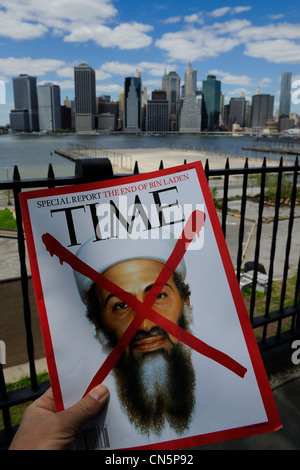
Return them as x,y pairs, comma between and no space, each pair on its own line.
284,378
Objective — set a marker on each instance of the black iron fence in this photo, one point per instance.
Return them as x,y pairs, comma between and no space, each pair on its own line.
270,323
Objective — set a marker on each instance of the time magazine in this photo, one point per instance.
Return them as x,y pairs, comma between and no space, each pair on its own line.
135,288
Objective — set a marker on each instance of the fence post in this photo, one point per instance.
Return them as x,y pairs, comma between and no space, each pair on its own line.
24,283
94,169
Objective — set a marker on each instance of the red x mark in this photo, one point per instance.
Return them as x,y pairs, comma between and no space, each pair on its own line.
193,227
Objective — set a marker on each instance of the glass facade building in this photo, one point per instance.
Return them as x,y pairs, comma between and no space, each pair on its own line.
25,116
132,103
211,89
285,94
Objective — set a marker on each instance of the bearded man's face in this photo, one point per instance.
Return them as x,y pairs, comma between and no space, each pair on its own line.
155,377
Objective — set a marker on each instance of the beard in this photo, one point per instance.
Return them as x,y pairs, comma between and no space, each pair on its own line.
158,386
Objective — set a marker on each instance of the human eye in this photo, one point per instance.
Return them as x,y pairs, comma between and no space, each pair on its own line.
120,306
161,296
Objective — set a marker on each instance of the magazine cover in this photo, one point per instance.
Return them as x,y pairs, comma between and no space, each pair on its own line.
135,288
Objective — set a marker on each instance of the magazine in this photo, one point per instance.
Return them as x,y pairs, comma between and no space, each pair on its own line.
135,288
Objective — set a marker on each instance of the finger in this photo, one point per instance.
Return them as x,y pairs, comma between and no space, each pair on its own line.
87,408
46,401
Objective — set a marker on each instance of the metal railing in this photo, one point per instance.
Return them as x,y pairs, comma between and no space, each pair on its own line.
88,170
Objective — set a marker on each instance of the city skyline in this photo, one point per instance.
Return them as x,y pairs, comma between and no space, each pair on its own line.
244,46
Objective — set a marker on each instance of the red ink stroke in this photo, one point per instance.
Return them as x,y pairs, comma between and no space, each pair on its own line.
144,309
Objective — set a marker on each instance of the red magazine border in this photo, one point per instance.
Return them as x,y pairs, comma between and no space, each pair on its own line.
273,422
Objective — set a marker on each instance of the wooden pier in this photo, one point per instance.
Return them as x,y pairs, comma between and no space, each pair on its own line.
274,149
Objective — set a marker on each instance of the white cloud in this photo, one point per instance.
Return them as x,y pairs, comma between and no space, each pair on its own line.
276,17
271,31
154,84
278,51
15,29
231,10
194,18
77,21
172,20
236,92
219,12
64,85
196,44
235,10
66,72
230,79
58,13
125,36
273,42
109,88
119,68
125,69
12,66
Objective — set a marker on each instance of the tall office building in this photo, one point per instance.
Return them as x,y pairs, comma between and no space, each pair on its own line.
157,112
107,113
261,110
85,98
25,117
285,94
132,104
190,112
49,107
211,89
171,85
237,111
190,79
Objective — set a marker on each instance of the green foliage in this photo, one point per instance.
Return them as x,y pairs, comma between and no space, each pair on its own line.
7,219
271,186
16,412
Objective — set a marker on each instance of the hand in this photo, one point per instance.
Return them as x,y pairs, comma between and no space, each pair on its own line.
42,428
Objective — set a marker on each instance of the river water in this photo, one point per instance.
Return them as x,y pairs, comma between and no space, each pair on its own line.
33,154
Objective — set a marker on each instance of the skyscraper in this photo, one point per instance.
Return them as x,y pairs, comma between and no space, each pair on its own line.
132,104
237,111
107,113
49,107
190,112
285,94
85,97
171,85
211,89
25,117
261,110
190,79
157,112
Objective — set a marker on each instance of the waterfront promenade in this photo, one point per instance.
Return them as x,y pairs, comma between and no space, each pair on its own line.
149,159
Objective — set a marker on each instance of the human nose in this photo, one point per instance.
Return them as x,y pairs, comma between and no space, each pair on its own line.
147,325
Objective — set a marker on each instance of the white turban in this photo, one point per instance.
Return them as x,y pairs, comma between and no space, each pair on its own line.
103,254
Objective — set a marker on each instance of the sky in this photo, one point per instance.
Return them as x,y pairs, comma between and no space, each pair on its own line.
245,45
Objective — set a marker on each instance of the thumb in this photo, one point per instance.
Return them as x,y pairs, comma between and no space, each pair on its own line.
87,408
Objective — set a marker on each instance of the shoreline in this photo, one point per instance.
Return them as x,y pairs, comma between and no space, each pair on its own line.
149,159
